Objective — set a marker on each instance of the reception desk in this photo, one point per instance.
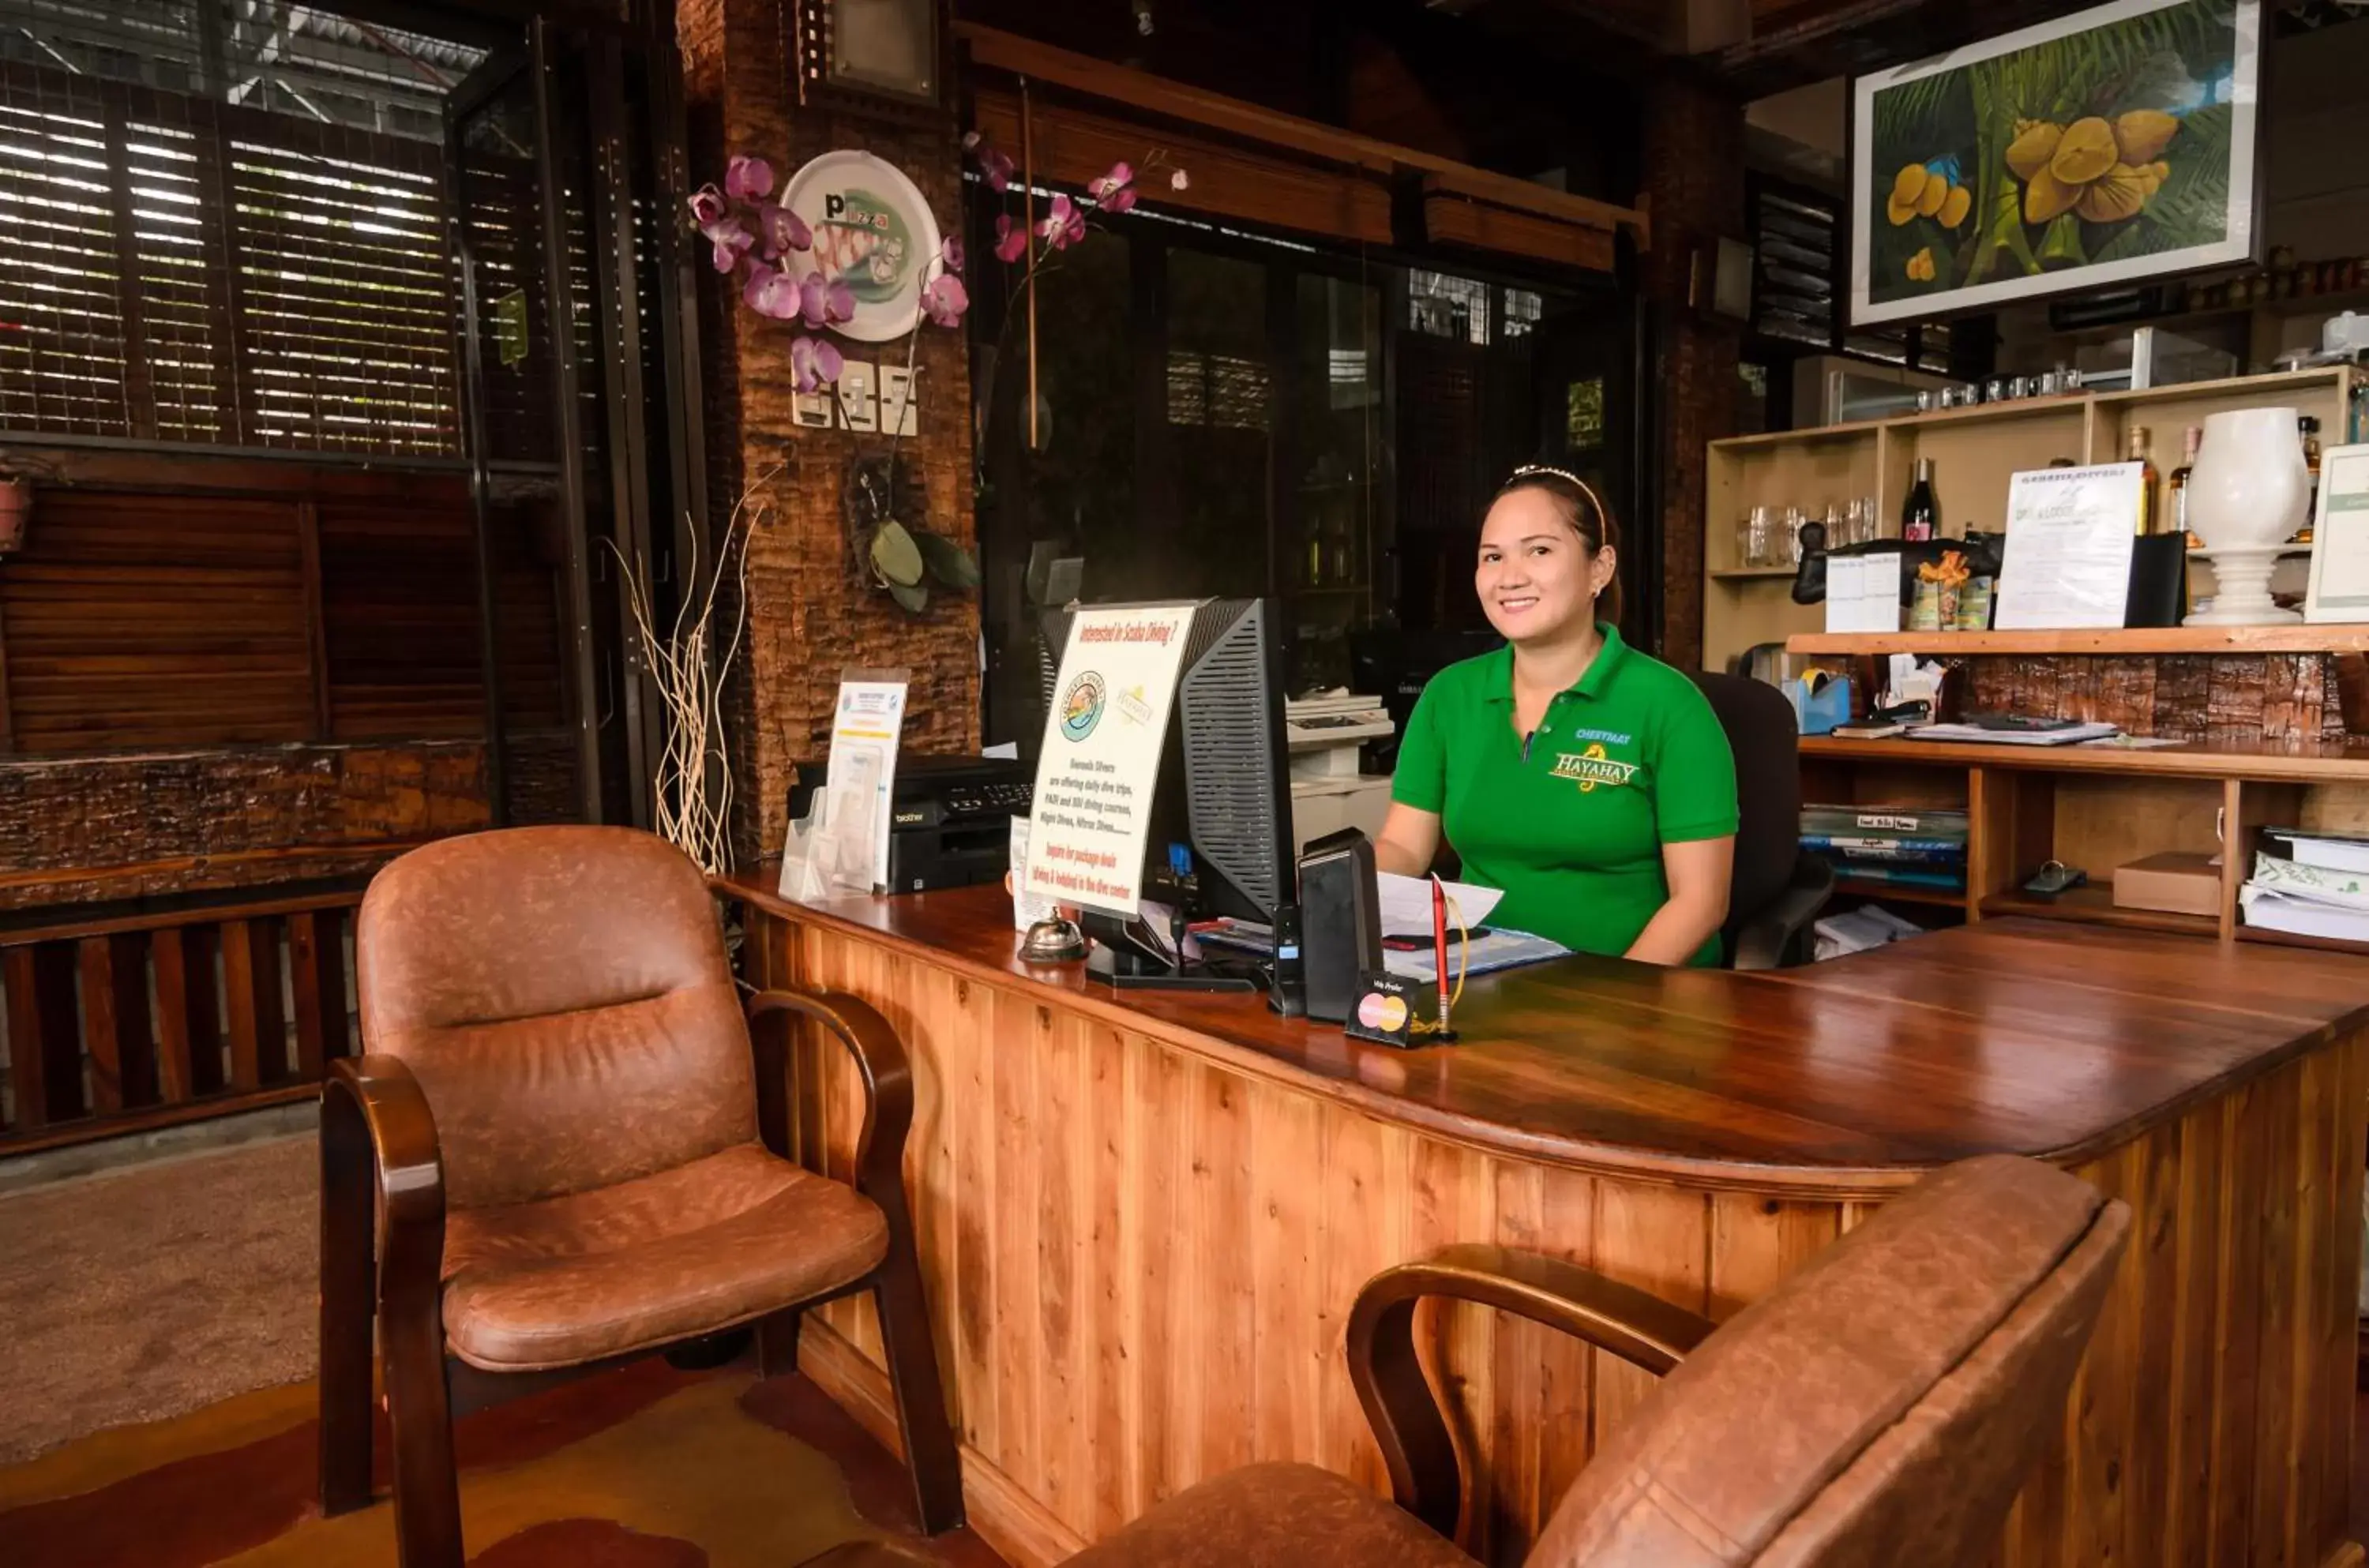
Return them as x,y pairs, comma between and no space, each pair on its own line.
1143,1216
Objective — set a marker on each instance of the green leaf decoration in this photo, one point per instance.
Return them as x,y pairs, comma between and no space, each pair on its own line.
895,556
948,562
2060,245
913,596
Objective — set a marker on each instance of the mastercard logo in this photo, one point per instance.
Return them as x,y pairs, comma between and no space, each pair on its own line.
1382,1014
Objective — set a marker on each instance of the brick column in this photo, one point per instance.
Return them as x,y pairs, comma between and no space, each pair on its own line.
812,609
1694,183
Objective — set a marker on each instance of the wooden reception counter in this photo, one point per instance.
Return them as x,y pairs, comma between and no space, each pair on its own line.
1143,1218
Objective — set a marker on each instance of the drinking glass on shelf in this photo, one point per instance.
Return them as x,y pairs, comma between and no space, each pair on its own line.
1789,543
1838,521
1759,538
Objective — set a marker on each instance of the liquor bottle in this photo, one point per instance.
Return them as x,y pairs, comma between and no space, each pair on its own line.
2144,523
1921,517
2189,441
2307,427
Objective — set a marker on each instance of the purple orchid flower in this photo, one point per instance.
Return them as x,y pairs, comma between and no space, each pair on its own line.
707,204
1119,201
824,301
944,299
814,362
729,240
784,230
770,294
1121,175
1011,240
996,168
747,178
1063,224
950,253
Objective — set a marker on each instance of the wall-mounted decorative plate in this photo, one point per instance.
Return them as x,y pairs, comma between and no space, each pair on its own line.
873,229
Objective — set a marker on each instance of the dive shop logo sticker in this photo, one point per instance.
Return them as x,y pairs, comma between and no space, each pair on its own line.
1081,707
1133,708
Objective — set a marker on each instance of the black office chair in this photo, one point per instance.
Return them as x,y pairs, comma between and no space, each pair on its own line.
1778,890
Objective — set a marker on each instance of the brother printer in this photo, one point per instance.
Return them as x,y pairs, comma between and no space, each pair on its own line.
950,823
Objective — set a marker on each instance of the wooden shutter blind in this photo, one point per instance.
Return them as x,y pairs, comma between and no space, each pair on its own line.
343,610
198,271
157,620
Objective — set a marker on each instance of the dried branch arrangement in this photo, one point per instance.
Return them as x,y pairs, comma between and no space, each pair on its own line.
692,792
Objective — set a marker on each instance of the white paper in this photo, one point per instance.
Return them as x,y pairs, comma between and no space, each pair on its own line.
1863,593
1406,904
853,840
2068,547
1100,762
2339,539
1026,908
1006,752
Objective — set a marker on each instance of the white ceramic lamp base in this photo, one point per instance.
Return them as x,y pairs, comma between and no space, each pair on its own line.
2242,589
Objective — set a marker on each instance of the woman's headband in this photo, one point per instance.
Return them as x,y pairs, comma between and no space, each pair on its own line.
1540,471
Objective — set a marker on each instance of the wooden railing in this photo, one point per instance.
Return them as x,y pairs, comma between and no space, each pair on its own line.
122,1017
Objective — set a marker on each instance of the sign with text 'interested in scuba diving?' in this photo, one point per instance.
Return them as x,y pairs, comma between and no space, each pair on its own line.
1101,760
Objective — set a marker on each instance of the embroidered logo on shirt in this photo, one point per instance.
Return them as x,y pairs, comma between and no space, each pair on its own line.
1592,767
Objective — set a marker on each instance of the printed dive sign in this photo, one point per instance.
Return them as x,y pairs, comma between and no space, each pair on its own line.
1101,760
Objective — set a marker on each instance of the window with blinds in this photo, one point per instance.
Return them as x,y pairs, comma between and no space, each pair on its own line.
196,272
226,227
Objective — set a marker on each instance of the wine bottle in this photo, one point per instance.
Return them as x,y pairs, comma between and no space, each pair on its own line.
2145,522
1921,517
2189,441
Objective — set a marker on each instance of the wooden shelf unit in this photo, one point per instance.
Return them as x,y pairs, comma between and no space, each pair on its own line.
1975,452
2096,810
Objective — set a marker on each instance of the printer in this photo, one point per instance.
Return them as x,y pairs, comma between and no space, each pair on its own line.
950,822
1324,736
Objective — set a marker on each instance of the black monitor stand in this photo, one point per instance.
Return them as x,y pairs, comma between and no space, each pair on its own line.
1127,956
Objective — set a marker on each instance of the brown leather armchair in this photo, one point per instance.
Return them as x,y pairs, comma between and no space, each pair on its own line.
566,1150
1881,1407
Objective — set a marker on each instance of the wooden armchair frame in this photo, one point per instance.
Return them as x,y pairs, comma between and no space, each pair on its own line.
1640,1328
381,1256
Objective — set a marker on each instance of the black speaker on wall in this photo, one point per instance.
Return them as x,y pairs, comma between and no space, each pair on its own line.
1341,921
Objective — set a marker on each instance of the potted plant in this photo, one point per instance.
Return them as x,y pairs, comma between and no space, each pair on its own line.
16,510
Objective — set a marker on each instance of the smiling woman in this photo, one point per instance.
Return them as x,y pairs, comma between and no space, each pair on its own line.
1590,782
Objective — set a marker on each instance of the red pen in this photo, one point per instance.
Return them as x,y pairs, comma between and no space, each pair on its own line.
1440,944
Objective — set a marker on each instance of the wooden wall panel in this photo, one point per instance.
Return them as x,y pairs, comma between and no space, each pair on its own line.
1073,146
1141,1264
141,825
2253,699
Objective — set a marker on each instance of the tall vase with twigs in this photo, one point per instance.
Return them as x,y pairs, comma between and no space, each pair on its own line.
689,665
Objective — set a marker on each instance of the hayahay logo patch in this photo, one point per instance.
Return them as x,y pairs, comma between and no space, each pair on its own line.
1592,767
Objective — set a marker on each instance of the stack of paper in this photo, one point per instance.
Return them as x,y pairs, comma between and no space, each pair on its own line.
1498,950
1977,735
1859,929
2322,891
1406,904
1912,846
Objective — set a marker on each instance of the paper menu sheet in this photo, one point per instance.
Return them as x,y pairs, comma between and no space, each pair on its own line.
1863,593
2069,535
1406,904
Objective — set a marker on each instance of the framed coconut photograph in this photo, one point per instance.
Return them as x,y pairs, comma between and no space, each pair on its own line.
2109,147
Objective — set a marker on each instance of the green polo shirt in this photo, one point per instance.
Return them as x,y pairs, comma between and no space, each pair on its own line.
1629,760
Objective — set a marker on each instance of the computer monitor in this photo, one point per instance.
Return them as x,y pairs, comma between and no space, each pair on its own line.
1224,792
